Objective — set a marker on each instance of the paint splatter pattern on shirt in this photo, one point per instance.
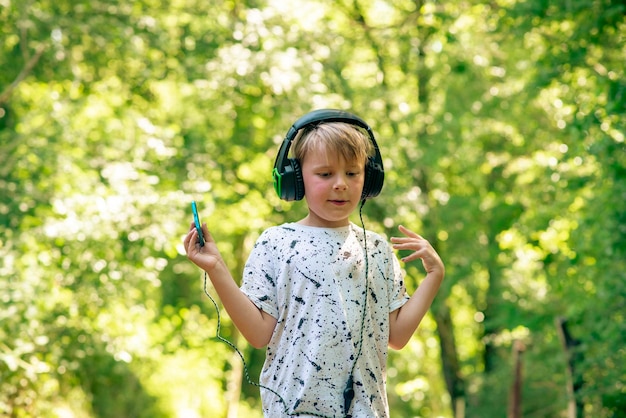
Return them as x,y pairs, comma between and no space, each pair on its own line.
312,280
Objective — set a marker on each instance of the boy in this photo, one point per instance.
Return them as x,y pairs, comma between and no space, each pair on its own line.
325,296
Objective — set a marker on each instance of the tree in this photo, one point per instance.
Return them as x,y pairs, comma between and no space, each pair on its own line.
502,129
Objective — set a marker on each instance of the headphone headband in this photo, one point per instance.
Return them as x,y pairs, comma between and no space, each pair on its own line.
287,174
327,116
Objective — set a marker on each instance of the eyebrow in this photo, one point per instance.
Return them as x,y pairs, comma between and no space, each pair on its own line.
329,166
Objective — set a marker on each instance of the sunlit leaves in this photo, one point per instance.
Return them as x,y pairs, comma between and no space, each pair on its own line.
502,132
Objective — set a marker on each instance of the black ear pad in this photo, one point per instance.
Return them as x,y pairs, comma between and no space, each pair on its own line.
287,174
374,179
294,188
298,186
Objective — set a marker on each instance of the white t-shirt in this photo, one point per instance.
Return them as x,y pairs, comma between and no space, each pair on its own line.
312,280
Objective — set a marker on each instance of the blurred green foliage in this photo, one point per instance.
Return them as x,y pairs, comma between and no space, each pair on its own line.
502,129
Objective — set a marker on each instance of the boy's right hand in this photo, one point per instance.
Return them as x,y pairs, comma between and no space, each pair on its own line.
206,257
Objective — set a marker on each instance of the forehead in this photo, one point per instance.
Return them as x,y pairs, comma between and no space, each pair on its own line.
321,155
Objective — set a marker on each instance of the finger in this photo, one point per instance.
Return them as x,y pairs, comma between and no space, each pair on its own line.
408,232
411,257
409,247
187,237
417,255
187,243
409,240
404,240
193,238
206,233
422,247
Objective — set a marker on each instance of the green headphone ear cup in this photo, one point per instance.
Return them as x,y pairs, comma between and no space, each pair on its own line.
278,182
289,184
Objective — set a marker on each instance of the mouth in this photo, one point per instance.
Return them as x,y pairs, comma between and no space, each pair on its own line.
339,202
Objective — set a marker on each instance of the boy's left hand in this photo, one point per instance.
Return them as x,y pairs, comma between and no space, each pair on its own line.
421,249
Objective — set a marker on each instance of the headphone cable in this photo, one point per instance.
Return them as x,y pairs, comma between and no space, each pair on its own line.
348,392
234,347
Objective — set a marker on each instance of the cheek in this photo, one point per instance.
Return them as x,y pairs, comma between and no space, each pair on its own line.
358,182
311,182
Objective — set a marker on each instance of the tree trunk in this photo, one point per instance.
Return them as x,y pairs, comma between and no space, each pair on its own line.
234,381
574,408
449,359
515,397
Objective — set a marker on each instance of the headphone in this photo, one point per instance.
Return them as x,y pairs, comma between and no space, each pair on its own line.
287,173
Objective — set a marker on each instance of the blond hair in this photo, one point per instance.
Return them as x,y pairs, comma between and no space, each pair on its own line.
339,138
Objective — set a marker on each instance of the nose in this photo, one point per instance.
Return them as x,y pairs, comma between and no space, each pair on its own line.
340,182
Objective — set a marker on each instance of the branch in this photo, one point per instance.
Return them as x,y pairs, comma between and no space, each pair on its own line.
30,64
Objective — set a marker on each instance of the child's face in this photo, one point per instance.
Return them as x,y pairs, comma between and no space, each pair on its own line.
332,187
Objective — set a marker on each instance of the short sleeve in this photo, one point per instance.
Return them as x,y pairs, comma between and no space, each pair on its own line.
259,275
397,294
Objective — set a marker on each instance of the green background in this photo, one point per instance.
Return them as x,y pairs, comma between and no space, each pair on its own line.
502,129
